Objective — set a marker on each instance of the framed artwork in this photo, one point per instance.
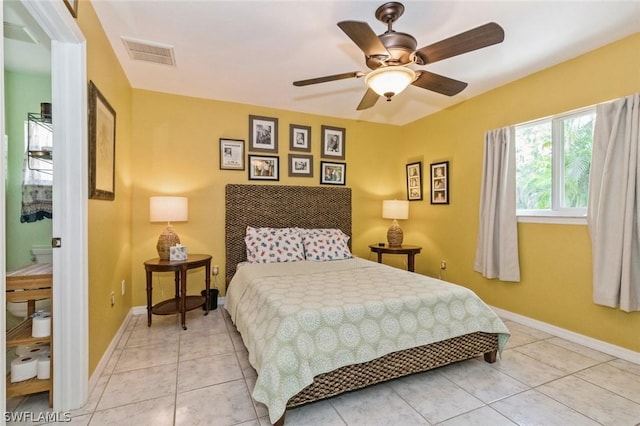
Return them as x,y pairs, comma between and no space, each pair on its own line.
299,138
414,181
263,134
72,5
264,167
440,183
300,165
333,173
102,146
333,142
231,154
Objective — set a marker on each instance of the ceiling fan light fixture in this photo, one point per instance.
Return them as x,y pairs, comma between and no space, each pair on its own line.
389,81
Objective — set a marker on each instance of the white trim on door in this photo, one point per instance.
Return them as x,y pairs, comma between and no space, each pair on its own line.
3,249
70,194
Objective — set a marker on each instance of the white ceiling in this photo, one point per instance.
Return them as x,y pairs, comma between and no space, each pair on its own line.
33,56
251,51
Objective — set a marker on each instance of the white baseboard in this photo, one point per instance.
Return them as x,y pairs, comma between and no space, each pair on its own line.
590,342
139,310
136,310
93,380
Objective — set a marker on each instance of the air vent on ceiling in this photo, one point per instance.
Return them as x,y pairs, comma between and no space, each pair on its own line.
147,51
18,32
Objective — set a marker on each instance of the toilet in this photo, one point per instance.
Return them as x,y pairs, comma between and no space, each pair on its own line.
41,254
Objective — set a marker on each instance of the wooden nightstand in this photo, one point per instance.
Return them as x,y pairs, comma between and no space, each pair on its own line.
181,303
410,251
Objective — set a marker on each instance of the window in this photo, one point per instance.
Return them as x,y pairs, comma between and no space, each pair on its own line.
38,144
553,159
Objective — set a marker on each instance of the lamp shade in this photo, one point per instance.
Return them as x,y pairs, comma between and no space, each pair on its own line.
389,81
168,209
395,209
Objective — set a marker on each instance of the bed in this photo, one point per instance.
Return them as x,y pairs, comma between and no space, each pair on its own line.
289,373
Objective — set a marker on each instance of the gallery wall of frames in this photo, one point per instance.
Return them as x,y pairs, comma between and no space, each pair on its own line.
259,157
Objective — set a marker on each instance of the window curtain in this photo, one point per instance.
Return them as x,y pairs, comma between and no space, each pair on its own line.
497,248
614,194
37,192
36,203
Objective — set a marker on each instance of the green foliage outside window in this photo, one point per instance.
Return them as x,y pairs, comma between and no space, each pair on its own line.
578,141
564,141
533,166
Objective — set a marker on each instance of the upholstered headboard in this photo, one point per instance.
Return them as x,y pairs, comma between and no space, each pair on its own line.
280,206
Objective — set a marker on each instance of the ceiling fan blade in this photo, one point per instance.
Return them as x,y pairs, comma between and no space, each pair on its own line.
439,83
368,100
356,74
364,37
476,38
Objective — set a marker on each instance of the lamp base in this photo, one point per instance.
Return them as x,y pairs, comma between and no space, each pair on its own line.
166,240
394,235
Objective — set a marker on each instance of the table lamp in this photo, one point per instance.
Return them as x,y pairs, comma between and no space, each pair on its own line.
395,209
168,209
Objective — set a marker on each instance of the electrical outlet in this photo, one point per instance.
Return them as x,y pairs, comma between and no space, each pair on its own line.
216,270
113,298
123,284
443,265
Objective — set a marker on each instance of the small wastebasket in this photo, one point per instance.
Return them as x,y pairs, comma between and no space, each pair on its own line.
213,299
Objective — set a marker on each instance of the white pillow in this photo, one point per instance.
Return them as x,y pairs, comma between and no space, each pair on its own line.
325,244
274,246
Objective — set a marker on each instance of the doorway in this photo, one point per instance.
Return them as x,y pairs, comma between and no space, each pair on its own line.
69,223
27,73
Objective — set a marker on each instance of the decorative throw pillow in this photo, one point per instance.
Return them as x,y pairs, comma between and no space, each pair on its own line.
323,231
325,244
267,229
273,246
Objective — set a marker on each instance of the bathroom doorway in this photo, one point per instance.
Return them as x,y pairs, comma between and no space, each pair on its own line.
27,73
69,221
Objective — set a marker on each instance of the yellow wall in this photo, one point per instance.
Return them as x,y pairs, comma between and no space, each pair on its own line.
555,260
169,144
109,221
176,152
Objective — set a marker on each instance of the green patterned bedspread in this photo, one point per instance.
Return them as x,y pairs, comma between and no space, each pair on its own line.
301,319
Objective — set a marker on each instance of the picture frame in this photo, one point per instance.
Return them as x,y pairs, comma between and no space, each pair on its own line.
231,154
414,181
72,5
299,138
333,142
264,167
263,134
440,183
102,146
300,165
333,173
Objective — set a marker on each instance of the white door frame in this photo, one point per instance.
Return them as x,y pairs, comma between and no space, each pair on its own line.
70,205
3,231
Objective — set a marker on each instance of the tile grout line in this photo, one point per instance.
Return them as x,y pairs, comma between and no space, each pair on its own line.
175,394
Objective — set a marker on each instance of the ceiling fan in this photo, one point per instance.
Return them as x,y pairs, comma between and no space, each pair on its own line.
389,55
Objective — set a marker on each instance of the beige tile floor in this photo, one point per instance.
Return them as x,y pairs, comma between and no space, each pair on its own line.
166,376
